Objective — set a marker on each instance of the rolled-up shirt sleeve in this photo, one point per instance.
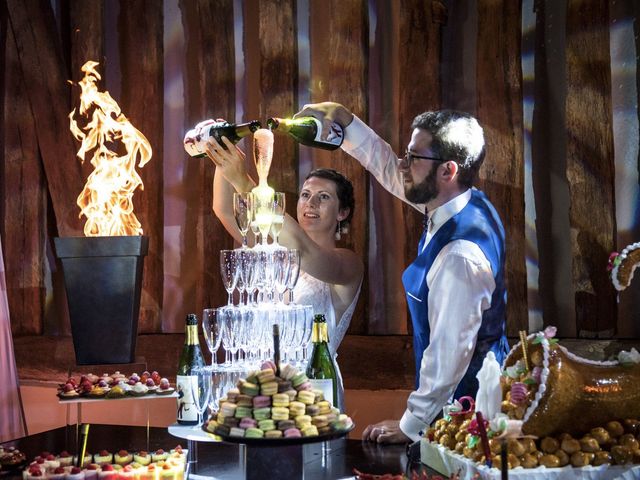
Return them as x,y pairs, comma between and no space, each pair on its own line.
377,156
460,288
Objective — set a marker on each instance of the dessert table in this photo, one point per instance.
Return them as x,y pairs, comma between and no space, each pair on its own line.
221,460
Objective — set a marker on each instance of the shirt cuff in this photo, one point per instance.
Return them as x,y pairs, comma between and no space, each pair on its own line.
355,134
411,426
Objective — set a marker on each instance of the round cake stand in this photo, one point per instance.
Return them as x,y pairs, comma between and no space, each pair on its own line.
194,434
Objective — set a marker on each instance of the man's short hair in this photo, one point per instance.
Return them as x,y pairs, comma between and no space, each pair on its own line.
456,136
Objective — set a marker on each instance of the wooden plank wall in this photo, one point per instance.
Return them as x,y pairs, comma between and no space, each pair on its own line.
386,76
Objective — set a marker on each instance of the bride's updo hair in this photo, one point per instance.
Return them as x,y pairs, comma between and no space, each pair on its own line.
344,190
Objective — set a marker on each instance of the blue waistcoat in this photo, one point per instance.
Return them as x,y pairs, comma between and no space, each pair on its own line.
477,222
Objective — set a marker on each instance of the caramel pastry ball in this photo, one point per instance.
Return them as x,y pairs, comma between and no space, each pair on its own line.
529,445
461,436
601,435
621,454
631,425
601,458
529,460
579,459
464,425
589,444
440,423
537,358
452,429
506,406
549,445
514,462
549,460
515,447
628,440
614,428
460,447
495,445
445,439
468,452
563,457
562,436
570,445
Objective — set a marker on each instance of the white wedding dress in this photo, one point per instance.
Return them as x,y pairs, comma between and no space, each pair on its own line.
311,291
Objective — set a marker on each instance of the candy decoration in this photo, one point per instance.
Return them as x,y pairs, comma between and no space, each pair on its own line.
519,393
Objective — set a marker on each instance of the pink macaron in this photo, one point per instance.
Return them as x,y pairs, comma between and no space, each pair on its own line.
261,401
304,386
247,422
292,433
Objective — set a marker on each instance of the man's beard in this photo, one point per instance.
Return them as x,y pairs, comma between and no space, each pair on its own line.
425,191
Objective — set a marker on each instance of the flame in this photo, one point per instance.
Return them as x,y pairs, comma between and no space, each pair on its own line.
107,197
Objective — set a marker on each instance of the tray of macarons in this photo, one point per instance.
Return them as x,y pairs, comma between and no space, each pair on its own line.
268,409
114,386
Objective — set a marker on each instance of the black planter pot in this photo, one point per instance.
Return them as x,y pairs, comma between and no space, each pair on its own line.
103,280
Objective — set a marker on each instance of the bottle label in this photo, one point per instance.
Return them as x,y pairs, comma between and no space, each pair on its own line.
325,385
333,138
186,407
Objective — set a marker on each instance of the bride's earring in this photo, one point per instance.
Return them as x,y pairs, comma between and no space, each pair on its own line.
337,235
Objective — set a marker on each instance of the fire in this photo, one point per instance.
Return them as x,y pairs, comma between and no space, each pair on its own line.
107,198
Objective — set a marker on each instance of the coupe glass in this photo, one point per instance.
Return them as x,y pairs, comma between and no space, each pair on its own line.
201,390
242,212
279,203
229,272
212,329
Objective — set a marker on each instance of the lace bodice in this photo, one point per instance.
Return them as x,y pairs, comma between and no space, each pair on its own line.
311,291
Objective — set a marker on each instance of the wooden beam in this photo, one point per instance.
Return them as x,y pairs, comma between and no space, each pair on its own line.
339,46
590,165
45,79
209,93
499,81
141,61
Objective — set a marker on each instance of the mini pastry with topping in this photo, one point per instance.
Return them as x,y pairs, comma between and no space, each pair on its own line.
165,387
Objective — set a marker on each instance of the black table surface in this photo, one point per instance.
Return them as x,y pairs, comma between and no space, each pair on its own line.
222,460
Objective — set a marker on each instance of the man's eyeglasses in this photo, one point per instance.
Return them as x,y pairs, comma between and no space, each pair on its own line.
410,157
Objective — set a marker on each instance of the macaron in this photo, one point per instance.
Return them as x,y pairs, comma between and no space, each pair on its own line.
262,413
222,430
243,412
286,424
252,377
304,386
247,422
273,434
279,413
280,400
296,408
288,371
268,388
249,388
310,431
253,433
292,433
261,401
303,421
307,397
292,394
228,409
312,410
320,421
268,364
244,400
232,394
343,422
298,379
267,375
325,407
231,421
266,425
324,430
283,385
236,432
319,394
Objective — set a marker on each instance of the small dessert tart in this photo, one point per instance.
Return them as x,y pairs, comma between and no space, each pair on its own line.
165,387
116,392
159,455
142,457
138,390
97,392
122,457
68,391
103,457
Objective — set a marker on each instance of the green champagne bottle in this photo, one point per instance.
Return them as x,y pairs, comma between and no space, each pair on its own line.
307,131
195,142
190,357
321,370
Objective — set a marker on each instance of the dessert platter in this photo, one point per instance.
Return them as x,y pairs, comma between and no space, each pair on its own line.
161,464
270,409
114,386
557,416
11,459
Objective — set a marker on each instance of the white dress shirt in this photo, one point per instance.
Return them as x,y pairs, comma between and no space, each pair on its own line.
460,285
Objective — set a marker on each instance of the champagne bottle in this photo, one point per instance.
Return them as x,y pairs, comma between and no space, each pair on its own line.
190,357
196,139
307,131
321,370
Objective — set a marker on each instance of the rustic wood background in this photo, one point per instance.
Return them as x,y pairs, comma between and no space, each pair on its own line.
422,54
